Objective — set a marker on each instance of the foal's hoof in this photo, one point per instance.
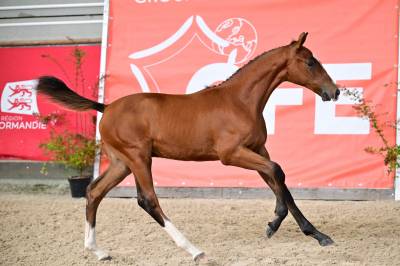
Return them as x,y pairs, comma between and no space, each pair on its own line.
270,232
102,255
104,258
326,241
200,258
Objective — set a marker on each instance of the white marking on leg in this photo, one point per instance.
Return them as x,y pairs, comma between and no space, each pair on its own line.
180,240
90,243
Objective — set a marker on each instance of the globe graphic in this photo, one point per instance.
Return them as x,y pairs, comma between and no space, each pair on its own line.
241,35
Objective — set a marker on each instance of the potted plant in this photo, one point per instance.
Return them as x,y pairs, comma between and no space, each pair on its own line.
74,151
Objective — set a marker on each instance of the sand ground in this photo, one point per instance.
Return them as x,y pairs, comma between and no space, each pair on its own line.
45,229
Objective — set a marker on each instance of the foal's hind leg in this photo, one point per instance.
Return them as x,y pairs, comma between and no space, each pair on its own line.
96,191
140,165
281,209
248,159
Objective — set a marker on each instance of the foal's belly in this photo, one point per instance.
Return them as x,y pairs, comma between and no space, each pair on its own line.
184,149
188,157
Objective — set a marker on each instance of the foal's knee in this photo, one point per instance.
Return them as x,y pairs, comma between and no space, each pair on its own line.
278,173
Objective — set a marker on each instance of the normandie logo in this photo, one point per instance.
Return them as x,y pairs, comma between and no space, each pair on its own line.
19,98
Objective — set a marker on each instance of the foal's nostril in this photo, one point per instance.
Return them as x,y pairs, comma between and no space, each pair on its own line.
325,96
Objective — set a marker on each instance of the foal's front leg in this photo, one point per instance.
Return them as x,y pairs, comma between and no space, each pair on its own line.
248,159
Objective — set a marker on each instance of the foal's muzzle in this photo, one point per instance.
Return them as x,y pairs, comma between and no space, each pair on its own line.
327,97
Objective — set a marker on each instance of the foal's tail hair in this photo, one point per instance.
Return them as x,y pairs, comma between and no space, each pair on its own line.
60,93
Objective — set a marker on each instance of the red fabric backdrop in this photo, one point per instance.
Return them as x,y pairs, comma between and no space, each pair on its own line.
181,46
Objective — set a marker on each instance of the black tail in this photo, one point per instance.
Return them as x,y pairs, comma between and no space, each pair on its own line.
59,92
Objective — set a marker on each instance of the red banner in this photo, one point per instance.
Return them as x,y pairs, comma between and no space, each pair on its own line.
180,47
23,113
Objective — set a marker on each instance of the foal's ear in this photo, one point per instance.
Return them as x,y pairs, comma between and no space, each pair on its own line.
301,40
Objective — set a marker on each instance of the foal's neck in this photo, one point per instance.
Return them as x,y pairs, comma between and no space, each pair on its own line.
254,83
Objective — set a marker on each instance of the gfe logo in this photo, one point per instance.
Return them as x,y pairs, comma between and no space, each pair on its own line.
235,39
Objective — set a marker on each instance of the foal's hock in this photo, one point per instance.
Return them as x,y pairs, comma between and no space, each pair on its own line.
222,122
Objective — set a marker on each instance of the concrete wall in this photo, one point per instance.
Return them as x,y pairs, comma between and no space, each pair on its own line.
24,170
33,22
27,172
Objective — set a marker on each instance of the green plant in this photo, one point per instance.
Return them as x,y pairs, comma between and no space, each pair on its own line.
73,150
367,109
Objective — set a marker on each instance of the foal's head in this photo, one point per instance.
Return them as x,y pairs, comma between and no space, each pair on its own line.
303,69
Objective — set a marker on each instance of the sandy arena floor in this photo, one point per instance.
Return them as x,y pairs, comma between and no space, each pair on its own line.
37,229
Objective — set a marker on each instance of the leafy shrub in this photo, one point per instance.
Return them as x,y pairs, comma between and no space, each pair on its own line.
73,150
367,109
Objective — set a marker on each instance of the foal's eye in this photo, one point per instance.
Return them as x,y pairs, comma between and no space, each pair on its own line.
311,62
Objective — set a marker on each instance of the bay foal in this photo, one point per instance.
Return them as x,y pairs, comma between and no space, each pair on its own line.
222,122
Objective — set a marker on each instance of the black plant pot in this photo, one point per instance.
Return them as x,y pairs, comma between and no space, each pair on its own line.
78,185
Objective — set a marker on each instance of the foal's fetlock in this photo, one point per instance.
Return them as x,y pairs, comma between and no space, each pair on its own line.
273,226
308,229
270,231
281,212
323,240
